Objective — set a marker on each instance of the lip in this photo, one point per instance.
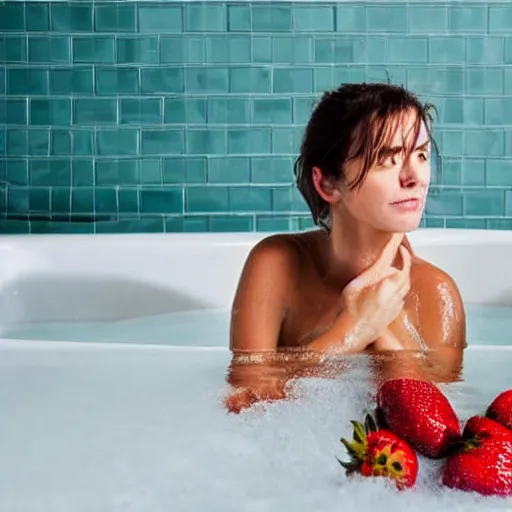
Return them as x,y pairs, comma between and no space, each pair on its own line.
408,205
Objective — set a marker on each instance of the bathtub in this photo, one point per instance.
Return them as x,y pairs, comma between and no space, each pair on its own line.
113,356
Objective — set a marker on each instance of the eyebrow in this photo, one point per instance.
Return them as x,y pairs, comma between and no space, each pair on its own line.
397,149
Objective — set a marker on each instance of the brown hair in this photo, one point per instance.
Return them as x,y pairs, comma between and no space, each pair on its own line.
353,121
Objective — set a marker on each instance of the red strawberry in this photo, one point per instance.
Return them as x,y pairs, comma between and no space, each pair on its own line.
483,462
379,452
420,414
500,409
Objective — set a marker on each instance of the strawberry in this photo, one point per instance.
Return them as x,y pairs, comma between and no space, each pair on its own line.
483,460
379,452
420,414
500,409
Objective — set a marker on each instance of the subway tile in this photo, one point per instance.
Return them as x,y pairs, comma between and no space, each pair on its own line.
504,224
271,18
229,170
484,81
186,224
27,81
295,49
261,49
250,80
392,18
313,18
164,200
286,140
113,171
231,223
184,170
185,48
105,200
447,50
226,50
12,17
82,173
407,49
500,18
484,202
37,16
60,142
302,109
137,50
93,49
350,18
498,111
162,141
116,81
465,223
473,172
94,111
83,142
71,17
446,203
248,141
182,110
293,80
13,49
82,201
206,80
229,110
485,50
205,18
119,141
436,80
14,171
250,199
60,200
272,170
50,112
239,18
150,170
128,200
272,111
77,80
140,111
160,18
39,200
427,19
288,199
484,142
452,172
115,17
206,142
467,19
276,223
49,49
206,199
498,173
18,200
13,111
161,80
50,172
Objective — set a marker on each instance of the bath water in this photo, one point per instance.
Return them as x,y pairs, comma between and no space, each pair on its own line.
138,424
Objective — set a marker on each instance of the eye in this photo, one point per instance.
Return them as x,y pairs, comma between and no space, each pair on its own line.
389,160
423,156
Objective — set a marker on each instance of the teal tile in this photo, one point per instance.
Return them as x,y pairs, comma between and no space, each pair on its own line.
350,18
61,227
49,49
239,18
286,141
504,224
313,18
205,18
94,111
70,18
82,173
38,142
434,222
206,142
161,19
229,170
61,142
452,172
137,50
446,203
451,142
498,111
427,19
39,200
37,16
484,142
271,170
120,141
14,171
161,80
276,223
93,49
484,203
182,110
229,110
13,111
392,18
12,16
466,223
162,141
305,223
3,141
474,111
82,142
394,75
272,111
14,227
184,170
500,18
164,200
206,199
468,19
82,200
18,200
508,50
231,223
60,200
226,50
302,109
72,81
105,200
116,81
50,112
261,49
294,49
150,171
206,80
435,80
473,172
507,86
248,141
147,224
128,200
485,50
271,18
288,199
250,199
447,50
185,48
186,224
2,80
27,81
16,142
140,111
112,172
480,80
114,17
13,49
498,173
295,80
407,49
50,172
508,206
250,80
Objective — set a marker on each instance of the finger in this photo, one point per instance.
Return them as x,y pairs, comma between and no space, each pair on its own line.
406,259
367,279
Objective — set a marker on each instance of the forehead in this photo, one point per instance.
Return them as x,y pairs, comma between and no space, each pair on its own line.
407,129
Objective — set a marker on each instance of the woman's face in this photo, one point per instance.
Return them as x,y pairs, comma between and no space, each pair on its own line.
393,194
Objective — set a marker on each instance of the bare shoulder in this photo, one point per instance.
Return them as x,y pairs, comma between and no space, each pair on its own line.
430,278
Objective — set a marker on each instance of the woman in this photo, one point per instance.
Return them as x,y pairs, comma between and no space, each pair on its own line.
354,285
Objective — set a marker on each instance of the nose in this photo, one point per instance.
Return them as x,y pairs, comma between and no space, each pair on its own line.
410,174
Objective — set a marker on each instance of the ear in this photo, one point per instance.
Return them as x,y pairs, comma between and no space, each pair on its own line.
325,187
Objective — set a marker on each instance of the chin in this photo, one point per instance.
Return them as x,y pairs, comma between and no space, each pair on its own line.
401,225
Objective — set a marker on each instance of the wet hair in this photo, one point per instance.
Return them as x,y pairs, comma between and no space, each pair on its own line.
354,121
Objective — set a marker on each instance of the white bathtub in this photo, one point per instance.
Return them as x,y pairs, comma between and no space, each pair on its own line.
134,421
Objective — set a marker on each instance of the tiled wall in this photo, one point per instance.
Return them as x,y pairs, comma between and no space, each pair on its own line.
186,116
